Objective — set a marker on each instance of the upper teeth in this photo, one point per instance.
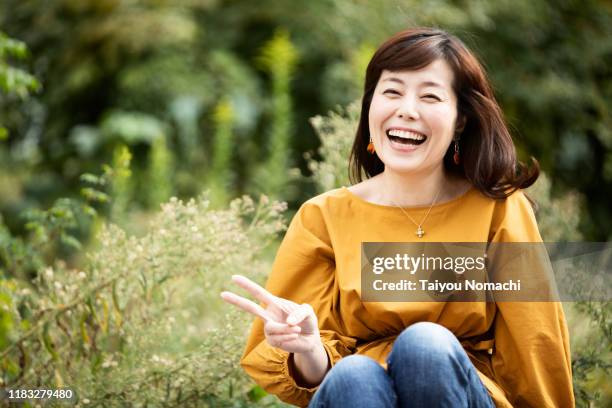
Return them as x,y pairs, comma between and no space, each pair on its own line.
406,134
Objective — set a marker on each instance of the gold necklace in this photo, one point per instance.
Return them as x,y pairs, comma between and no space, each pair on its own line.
420,231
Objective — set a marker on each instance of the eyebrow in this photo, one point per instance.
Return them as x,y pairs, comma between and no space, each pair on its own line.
426,83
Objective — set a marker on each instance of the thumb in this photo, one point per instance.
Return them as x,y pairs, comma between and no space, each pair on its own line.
299,314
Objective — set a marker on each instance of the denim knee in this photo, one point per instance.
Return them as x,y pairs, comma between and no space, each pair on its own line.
429,368
425,340
353,369
355,381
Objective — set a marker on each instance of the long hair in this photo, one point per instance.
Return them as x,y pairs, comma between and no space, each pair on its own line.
488,155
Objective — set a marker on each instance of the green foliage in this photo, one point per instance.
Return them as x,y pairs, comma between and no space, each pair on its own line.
220,174
52,226
336,133
343,80
154,180
359,63
88,327
18,258
8,317
56,233
14,80
149,56
132,127
278,58
51,234
159,173
121,187
135,323
549,209
592,356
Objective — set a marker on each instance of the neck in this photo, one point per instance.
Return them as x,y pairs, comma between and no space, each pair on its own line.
409,190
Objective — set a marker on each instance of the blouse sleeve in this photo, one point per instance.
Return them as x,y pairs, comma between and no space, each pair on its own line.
303,272
532,359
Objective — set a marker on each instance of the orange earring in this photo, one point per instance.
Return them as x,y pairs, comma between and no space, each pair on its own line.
456,155
371,149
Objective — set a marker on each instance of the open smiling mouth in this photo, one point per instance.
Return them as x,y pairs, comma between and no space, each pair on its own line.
406,137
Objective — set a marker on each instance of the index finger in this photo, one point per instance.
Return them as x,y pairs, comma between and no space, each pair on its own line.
246,305
257,291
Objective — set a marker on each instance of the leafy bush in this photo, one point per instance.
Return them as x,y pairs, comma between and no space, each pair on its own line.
140,322
336,133
278,57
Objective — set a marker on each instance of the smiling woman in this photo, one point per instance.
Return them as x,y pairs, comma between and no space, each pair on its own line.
432,138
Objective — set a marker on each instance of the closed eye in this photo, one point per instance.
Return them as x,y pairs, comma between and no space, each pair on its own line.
432,96
391,91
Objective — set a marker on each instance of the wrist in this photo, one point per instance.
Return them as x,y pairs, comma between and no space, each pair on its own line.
315,348
309,367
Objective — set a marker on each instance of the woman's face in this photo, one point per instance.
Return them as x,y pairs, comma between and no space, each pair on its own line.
412,117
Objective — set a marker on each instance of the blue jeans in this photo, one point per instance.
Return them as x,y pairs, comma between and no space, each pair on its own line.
427,367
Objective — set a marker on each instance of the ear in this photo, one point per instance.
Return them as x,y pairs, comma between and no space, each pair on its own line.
460,125
461,121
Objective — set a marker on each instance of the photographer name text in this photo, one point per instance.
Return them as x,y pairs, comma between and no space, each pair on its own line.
445,287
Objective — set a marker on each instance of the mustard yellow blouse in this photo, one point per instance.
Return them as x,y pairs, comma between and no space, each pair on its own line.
520,349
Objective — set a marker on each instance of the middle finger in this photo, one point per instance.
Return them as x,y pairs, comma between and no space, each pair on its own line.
258,292
272,327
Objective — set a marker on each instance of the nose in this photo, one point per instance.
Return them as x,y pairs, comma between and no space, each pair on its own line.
408,110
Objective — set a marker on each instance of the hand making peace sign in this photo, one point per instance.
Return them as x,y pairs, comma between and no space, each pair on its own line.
287,325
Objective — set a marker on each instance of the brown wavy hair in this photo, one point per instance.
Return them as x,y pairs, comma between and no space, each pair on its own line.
488,155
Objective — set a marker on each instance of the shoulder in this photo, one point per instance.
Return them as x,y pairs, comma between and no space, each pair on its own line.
316,213
325,203
515,206
514,219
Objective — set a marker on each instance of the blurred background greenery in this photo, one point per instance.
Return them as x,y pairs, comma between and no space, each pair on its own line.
108,108
218,93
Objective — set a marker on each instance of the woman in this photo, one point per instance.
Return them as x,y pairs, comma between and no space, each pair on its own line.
439,166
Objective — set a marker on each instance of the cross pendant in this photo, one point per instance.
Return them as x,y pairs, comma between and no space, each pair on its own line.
420,232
